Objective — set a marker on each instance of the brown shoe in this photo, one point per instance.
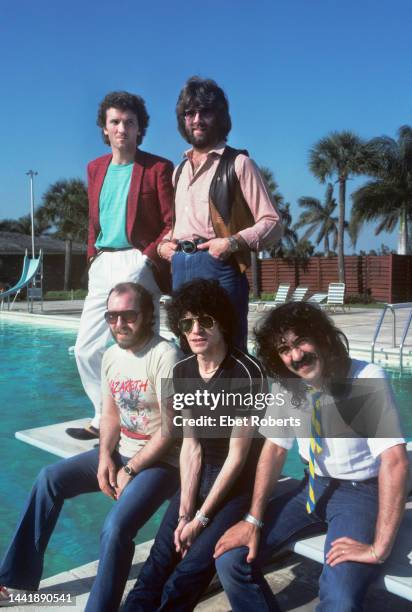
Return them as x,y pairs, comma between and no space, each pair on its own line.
83,433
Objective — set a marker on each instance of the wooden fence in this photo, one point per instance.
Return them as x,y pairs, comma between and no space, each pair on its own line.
387,278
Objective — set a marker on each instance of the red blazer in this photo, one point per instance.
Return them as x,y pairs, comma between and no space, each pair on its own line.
149,206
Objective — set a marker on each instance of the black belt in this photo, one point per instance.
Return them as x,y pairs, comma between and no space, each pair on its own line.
189,246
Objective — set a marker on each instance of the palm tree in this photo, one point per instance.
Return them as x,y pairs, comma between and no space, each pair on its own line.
277,198
290,237
271,185
340,155
22,225
65,206
388,197
319,218
300,252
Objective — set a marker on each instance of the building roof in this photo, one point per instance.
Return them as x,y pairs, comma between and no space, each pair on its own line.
13,243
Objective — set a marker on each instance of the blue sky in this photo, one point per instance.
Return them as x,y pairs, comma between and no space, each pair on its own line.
293,70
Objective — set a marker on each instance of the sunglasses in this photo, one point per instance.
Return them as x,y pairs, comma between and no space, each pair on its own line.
206,113
205,322
128,316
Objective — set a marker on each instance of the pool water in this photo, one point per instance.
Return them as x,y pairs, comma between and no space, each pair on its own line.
40,386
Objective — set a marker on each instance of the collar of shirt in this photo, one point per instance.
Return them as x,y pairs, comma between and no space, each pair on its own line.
217,150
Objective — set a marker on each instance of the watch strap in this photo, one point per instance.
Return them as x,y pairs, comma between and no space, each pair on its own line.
129,471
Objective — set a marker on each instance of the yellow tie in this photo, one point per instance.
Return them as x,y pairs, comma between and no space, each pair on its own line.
315,447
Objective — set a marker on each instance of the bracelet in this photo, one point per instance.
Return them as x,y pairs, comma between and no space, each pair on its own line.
254,521
203,520
182,517
377,559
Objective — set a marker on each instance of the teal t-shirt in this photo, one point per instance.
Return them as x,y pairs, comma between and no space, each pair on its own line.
112,207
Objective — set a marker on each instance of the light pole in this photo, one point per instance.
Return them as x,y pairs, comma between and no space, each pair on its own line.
32,174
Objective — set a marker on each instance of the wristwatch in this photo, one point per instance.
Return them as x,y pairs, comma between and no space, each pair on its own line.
234,244
129,471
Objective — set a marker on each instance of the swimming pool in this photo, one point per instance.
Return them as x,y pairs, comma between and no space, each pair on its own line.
40,386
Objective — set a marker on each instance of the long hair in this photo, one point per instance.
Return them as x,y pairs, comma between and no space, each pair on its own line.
199,297
124,101
204,93
306,320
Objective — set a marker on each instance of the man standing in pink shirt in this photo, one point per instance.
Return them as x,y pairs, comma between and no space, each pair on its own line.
223,209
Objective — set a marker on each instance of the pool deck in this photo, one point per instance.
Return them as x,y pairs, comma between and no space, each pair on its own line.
294,578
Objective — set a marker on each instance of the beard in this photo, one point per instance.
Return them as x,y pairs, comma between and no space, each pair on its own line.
207,138
130,339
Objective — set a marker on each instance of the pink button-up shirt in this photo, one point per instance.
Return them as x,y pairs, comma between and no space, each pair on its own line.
192,212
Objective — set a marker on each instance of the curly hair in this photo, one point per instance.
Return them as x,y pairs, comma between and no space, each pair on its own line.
199,297
309,321
124,101
143,299
204,93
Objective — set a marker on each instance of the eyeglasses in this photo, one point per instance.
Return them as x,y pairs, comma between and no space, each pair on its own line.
128,316
205,322
206,113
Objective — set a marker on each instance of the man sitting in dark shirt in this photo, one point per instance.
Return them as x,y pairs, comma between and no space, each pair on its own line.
217,461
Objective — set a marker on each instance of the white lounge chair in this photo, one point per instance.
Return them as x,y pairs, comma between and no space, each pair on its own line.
298,294
336,297
318,298
280,297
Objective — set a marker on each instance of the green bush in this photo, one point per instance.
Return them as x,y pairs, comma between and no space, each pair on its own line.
75,294
360,298
263,296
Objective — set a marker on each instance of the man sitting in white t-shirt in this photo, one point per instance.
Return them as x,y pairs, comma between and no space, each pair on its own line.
136,464
356,473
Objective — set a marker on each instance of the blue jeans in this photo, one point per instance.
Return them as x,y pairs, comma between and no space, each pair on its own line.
200,264
168,582
23,563
344,508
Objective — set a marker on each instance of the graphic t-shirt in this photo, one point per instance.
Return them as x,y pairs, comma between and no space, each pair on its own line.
134,381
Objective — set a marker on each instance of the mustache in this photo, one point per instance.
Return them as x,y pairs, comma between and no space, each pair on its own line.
307,359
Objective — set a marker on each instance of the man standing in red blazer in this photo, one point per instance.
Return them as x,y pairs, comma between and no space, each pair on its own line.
130,210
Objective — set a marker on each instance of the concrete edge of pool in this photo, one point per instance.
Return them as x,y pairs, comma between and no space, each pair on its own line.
384,354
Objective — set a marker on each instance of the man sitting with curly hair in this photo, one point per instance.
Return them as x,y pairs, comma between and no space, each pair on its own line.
354,486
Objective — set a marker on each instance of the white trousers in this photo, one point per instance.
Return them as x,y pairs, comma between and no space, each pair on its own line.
108,269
